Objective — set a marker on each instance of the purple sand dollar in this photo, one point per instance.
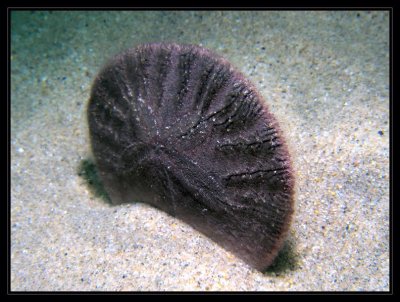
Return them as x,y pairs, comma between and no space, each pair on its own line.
177,127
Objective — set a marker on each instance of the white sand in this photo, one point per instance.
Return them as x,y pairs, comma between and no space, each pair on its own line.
323,74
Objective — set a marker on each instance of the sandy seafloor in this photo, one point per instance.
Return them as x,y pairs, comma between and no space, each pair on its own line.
325,76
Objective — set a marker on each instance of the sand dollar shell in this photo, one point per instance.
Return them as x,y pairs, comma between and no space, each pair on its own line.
176,126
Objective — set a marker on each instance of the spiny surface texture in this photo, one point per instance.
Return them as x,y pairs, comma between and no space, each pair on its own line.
177,127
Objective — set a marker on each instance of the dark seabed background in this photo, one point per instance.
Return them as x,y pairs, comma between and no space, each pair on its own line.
324,75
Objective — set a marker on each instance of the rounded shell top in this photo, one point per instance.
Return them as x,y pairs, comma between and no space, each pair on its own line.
178,127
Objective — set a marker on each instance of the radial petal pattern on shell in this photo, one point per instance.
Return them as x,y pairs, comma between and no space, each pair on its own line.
176,126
